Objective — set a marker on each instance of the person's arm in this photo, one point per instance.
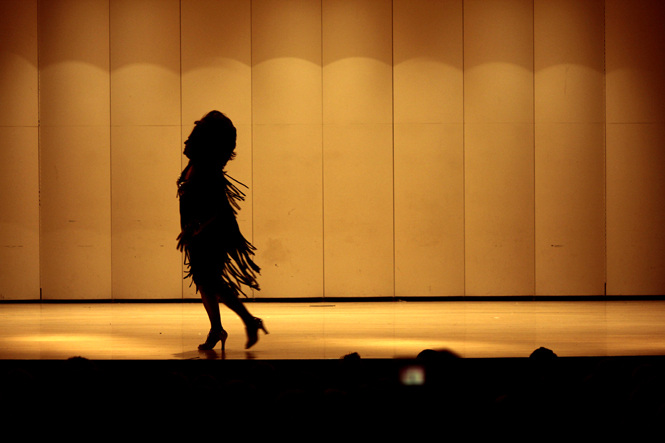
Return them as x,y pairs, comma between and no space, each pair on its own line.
200,205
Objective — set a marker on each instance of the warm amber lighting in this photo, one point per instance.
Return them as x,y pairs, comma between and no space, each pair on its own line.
394,148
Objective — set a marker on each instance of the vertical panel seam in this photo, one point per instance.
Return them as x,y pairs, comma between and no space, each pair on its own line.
251,115
392,80
182,290
463,162
110,158
605,143
323,194
39,149
533,104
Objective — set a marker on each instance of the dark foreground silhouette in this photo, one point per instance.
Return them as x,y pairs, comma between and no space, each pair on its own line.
350,399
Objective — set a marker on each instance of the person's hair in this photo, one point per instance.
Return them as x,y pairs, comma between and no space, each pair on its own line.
213,140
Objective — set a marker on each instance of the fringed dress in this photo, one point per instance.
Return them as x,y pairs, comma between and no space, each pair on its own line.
217,255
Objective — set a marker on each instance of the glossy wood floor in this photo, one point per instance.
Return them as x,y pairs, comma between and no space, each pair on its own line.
474,329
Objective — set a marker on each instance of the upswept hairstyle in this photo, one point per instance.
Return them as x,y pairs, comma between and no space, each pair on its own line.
212,141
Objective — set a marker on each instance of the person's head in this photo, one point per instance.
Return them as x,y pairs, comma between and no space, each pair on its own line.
213,140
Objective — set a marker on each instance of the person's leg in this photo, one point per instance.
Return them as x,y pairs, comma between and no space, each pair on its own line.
230,299
252,324
211,305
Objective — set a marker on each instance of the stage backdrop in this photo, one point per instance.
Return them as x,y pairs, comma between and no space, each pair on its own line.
392,148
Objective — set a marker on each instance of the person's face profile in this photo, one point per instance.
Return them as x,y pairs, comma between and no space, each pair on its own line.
191,139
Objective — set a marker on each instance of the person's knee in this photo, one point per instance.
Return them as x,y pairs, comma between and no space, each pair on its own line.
227,295
208,284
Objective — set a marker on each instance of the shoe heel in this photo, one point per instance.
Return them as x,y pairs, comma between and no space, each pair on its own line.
213,338
262,327
223,338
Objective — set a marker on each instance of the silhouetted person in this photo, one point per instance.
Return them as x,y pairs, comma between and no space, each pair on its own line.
218,256
542,354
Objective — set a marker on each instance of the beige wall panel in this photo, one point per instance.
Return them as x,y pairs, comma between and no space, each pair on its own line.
145,163
635,210
358,210
286,111
428,60
240,169
357,148
570,209
19,214
429,210
570,139
499,161
288,216
216,59
357,61
19,161
286,57
428,166
18,63
635,54
569,39
498,61
74,62
145,62
499,198
75,212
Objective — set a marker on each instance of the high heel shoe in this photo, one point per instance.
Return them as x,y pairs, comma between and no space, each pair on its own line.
253,331
213,338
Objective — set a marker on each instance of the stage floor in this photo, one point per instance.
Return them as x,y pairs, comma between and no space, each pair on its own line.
376,330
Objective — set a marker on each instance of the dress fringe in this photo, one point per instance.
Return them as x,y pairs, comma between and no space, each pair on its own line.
238,268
